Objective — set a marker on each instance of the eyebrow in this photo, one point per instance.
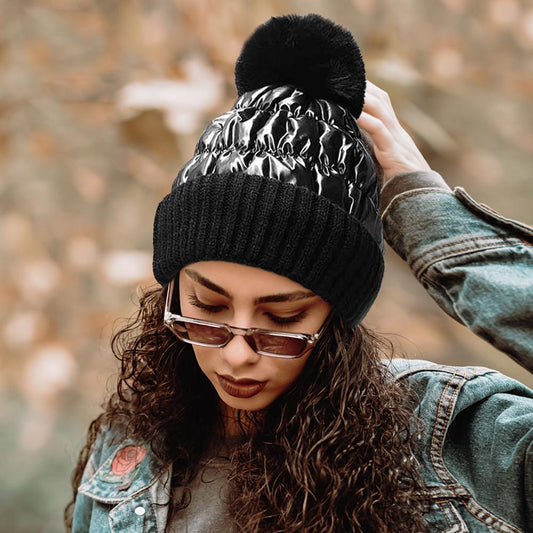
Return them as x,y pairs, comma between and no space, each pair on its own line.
285,297
195,276
273,298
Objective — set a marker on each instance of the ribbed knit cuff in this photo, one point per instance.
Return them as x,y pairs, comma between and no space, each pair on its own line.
272,225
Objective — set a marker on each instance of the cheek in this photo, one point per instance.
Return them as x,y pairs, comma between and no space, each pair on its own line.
204,357
284,373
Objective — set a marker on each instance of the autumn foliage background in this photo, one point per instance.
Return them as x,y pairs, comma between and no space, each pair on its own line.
102,101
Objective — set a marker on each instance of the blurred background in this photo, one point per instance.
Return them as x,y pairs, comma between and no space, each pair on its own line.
102,101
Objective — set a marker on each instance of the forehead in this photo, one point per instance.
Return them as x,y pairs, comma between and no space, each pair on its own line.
239,279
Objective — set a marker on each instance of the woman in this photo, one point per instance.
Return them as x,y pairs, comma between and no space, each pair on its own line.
251,398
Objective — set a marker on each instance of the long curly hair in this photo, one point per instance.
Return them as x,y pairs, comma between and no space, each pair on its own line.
333,453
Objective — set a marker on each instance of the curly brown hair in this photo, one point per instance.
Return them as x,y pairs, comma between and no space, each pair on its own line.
334,453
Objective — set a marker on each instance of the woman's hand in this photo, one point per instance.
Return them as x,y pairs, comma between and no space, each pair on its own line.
393,147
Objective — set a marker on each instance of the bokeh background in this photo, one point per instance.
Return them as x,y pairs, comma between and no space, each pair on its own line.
102,101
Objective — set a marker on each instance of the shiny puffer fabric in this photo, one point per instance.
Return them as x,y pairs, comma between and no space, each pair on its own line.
283,134
281,182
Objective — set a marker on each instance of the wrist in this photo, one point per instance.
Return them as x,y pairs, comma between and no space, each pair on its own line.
406,181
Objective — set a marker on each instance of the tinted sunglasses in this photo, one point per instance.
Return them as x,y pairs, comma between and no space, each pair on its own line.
217,335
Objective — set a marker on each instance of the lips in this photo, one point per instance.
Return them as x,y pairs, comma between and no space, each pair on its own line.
242,388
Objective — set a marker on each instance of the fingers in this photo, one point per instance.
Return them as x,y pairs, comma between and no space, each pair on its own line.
378,104
393,147
380,134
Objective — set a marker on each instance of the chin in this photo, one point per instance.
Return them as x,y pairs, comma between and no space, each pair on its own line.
255,403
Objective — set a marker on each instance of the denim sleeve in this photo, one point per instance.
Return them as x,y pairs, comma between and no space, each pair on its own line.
83,507
476,264
489,448
476,451
83,517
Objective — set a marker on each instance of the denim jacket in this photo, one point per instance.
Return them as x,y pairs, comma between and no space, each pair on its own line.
476,453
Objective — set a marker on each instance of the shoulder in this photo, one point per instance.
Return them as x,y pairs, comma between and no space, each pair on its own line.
121,484
118,464
109,438
470,384
477,438
454,401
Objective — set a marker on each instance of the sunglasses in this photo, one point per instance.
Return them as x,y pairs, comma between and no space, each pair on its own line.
217,335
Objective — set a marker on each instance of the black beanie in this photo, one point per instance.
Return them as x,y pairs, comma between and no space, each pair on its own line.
283,181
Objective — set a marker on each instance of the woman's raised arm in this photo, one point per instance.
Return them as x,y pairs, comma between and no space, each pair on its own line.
476,264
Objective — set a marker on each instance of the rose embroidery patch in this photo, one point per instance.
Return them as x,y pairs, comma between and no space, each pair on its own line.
124,466
127,459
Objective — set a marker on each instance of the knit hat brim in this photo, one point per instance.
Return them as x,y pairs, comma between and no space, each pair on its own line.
269,224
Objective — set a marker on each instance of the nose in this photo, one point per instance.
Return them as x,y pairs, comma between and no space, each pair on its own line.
239,353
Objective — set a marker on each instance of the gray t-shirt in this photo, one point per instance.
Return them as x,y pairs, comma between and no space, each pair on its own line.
207,510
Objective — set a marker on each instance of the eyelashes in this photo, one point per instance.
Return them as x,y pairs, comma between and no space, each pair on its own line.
280,320
193,300
287,319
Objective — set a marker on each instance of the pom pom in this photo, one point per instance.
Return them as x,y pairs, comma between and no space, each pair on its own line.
310,52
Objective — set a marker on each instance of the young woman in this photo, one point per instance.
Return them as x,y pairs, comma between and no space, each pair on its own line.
251,397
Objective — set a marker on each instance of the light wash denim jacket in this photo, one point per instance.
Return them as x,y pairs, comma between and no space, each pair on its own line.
477,450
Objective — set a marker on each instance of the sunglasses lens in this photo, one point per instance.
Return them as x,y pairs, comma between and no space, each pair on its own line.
216,336
201,333
279,344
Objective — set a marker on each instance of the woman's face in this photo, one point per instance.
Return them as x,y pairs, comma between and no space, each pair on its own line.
246,297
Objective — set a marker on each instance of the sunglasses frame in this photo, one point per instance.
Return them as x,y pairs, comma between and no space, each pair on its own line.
248,333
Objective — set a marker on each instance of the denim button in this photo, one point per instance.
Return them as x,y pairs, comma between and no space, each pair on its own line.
139,511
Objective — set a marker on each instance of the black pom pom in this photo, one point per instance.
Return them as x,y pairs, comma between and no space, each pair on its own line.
310,52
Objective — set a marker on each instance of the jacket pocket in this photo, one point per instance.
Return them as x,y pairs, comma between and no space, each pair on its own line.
133,516
443,517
